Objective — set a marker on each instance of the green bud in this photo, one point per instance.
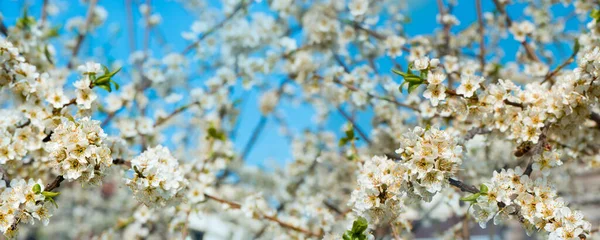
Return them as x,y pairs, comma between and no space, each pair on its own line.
36,189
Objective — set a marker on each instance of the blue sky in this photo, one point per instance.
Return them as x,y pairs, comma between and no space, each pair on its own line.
176,20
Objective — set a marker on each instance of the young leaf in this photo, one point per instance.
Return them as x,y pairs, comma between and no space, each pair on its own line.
36,189
50,194
105,87
576,47
471,198
483,189
413,86
359,225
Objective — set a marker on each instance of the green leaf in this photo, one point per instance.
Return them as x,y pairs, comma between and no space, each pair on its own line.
115,72
357,231
359,225
423,74
348,138
413,79
106,71
595,14
471,198
483,189
106,80
216,134
413,86
53,32
399,72
105,87
116,84
576,47
50,194
102,80
36,189
347,235
52,201
402,85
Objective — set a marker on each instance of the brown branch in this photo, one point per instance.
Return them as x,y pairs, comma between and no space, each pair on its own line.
463,186
260,126
501,8
174,113
54,184
596,118
465,227
130,26
354,125
550,75
81,35
482,35
274,219
528,170
25,124
446,26
255,134
237,9
3,29
148,28
120,161
44,11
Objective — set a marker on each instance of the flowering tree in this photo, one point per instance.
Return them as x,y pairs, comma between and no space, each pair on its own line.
104,149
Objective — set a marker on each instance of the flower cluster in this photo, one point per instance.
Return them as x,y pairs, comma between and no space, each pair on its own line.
432,156
77,150
533,202
18,136
428,159
379,196
157,179
436,90
24,202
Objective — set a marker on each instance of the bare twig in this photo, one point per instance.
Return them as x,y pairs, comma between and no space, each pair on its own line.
354,125
482,35
463,186
3,29
130,25
550,75
530,53
54,184
237,9
44,11
174,113
274,219
255,134
81,35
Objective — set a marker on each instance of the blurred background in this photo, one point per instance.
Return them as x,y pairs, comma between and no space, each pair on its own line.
116,40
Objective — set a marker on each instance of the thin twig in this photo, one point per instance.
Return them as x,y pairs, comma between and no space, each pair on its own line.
237,9
463,186
81,35
274,219
550,75
482,35
148,27
174,113
130,26
260,126
44,11
255,134
3,29
530,53
354,125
